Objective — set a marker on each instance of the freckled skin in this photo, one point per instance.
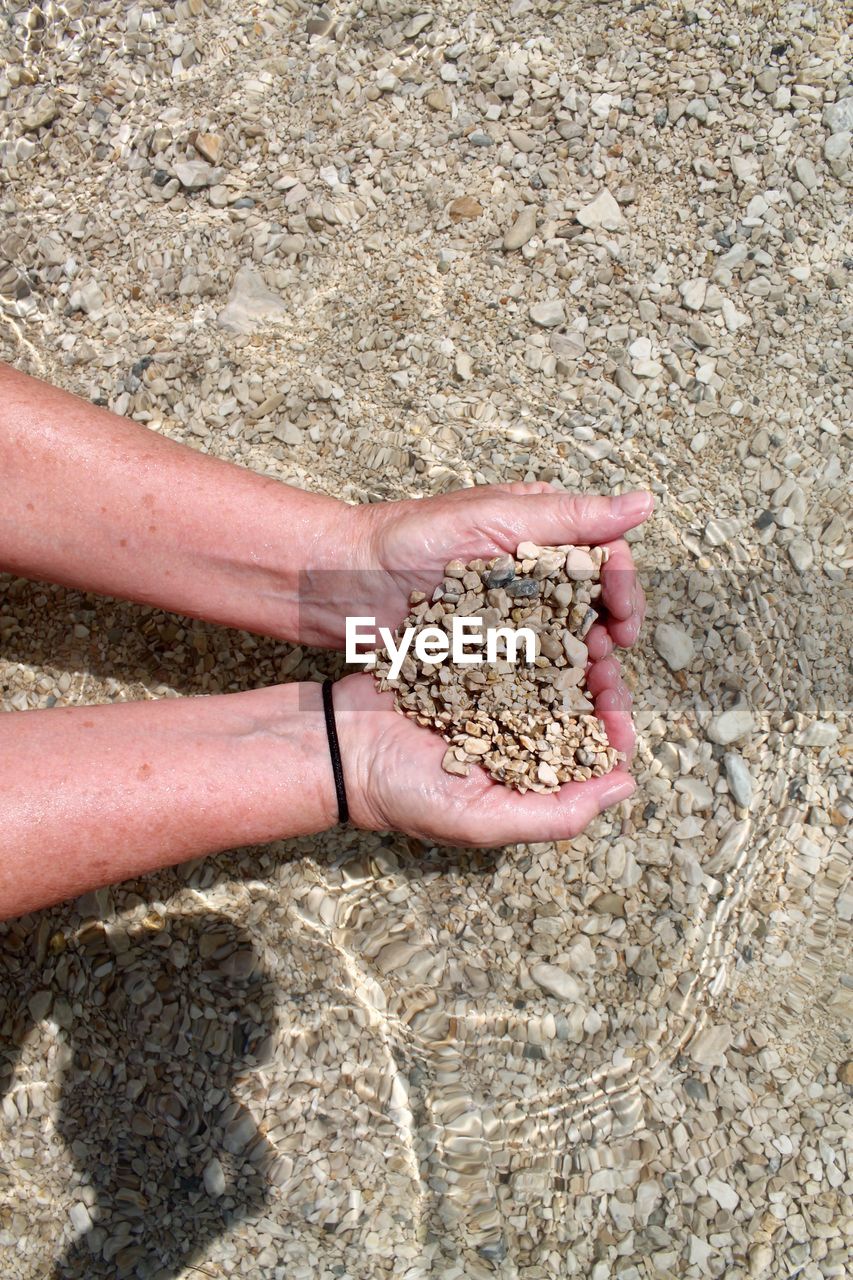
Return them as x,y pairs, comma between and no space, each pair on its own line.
150,784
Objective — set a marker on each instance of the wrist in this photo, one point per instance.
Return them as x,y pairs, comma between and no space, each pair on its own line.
352,698
278,566
338,578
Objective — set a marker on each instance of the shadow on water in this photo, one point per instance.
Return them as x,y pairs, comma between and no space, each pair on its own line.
168,1072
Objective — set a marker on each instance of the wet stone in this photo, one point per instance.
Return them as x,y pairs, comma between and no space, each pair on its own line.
730,726
738,778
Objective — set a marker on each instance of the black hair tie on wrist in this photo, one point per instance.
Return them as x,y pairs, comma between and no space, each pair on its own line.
335,751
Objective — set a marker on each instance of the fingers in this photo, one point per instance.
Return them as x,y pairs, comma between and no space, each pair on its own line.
613,707
604,675
619,581
513,819
598,642
613,704
625,634
554,518
623,597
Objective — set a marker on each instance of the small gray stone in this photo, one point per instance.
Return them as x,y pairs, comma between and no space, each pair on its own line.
719,532
708,1047
214,1179
837,146
89,299
738,778
417,25
724,1194
760,1260
522,588
501,573
43,113
239,1132
287,433
39,1004
731,725
567,346
700,334
548,314
674,646
626,382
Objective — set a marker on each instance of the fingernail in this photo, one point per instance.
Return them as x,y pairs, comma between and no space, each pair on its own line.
619,788
636,505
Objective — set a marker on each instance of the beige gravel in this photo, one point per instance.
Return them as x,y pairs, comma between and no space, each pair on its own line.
358,1057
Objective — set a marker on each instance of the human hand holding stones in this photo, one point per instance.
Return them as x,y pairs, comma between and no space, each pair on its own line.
395,780
558,726
412,540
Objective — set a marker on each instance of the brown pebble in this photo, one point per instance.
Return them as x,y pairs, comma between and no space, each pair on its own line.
464,208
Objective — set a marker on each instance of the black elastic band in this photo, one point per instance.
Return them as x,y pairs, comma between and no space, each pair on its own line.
335,751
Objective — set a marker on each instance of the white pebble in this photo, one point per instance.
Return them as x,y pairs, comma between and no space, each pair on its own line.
554,980
725,1196
548,314
731,725
80,1217
802,554
819,734
674,646
739,779
603,211
693,293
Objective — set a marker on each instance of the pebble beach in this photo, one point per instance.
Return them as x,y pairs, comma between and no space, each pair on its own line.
380,250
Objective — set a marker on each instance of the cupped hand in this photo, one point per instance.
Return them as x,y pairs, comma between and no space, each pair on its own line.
411,541
394,778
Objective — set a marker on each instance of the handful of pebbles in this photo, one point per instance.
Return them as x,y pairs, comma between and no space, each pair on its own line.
530,726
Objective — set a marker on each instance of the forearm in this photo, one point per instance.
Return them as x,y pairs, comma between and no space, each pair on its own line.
94,795
98,502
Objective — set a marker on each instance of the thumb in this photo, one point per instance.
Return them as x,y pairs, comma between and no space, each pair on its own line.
555,518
